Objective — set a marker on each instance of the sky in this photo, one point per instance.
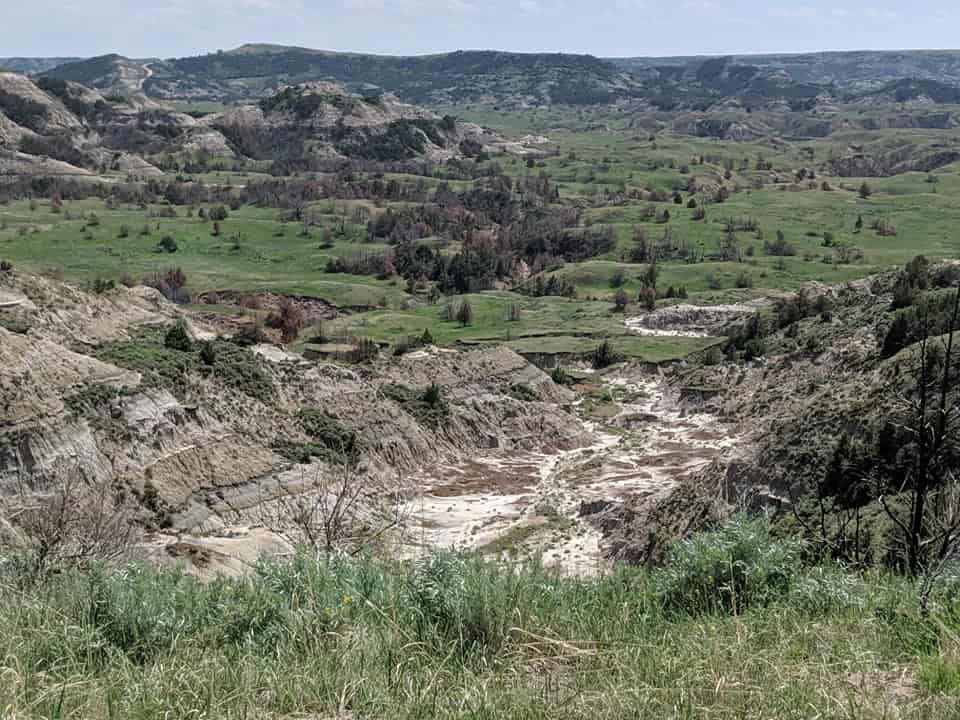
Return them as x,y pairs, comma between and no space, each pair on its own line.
606,28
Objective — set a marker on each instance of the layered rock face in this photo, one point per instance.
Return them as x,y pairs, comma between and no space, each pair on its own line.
204,454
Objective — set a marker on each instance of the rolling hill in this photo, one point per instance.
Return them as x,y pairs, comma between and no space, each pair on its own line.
34,65
254,71
52,126
851,71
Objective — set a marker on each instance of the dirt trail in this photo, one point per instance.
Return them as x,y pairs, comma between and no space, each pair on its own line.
528,503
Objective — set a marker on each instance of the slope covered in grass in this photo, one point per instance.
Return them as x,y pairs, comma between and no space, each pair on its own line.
733,626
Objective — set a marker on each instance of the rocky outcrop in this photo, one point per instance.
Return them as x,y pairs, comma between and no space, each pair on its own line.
28,106
202,454
328,121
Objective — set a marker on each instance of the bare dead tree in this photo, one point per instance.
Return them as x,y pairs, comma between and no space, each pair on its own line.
930,523
79,522
833,525
340,509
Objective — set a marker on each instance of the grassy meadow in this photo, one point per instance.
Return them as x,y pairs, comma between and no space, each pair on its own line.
597,152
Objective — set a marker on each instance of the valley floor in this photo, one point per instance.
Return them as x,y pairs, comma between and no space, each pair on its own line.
642,444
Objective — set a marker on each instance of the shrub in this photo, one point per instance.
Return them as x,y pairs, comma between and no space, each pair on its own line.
6,266
728,570
560,376
523,393
334,441
249,335
218,213
754,348
101,285
427,406
178,338
171,284
885,228
289,320
648,298
465,313
779,247
208,354
605,355
167,245
364,350
621,300
433,396
744,280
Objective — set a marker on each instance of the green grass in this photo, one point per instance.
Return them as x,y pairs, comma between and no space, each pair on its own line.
270,255
547,325
452,637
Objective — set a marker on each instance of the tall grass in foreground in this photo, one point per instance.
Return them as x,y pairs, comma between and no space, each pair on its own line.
732,627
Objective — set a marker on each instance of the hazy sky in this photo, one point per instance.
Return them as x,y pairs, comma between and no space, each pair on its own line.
172,28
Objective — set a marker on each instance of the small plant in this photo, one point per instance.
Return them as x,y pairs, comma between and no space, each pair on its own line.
102,285
560,376
605,355
432,395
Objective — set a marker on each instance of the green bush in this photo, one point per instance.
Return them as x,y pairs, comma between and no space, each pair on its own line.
151,354
333,440
560,376
178,338
728,570
524,393
167,244
428,406
605,355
